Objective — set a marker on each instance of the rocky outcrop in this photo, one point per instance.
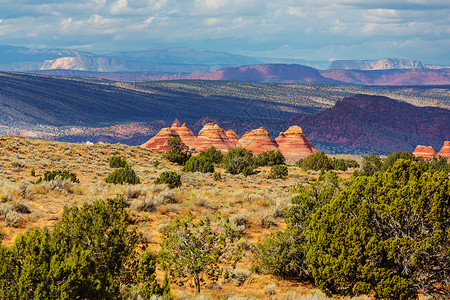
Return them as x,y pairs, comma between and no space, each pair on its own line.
186,135
283,73
426,152
381,64
232,136
159,141
391,77
377,124
445,150
258,141
212,135
293,142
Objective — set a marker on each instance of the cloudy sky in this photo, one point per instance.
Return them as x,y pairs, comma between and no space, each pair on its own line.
308,29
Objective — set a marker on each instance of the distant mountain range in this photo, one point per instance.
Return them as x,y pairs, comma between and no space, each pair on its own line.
182,63
80,110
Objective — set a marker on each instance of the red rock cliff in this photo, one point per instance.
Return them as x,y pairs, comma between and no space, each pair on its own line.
293,142
159,141
424,152
445,151
258,141
232,136
186,135
212,135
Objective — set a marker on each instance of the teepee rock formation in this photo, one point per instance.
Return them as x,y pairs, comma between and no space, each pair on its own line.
212,135
293,142
445,151
424,152
186,135
232,136
159,141
257,140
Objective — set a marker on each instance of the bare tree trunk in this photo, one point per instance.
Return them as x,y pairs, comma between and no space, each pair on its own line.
197,284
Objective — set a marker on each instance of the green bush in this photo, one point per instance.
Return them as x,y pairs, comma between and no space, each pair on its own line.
351,163
339,164
90,254
117,162
316,162
212,155
282,254
65,174
247,171
278,171
388,235
172,179
198,164
178,152
198,250
393,157
123,175
370,165
217,176
237,160
270,158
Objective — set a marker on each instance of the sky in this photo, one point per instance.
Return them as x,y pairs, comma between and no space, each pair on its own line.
322,30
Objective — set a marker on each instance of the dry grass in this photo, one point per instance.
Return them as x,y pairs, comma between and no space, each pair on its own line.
254,204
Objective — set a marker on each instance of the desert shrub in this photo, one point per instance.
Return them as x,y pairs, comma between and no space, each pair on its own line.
217,176
316,162
270,289
89,254
238,276
198,164
339,164
388,234
212,155
8,215
278,171
240,222
369,166
21,208
238,159
17,166
167,196
390,160
439,164
58,174
247,171
351,163
194,250
123,175
282,254
171,178
147,205
178,152
33,172
270,158
117,162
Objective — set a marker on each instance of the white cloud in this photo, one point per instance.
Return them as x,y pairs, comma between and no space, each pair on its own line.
119,7
317,29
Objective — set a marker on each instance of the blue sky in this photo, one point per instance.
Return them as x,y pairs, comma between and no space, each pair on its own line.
308,29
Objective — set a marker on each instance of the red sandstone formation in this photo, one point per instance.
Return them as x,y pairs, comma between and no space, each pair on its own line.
212,135
186,135
258,141
445,151
232,136
159,141
293,142
424,152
